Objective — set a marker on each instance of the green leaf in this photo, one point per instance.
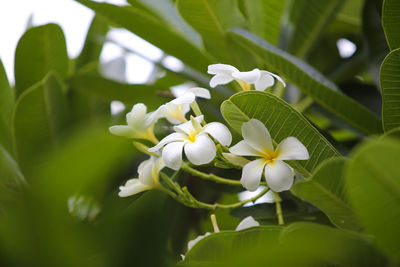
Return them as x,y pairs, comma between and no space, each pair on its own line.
391,22
390,84
40,50
152,30
373,185
282,121
10,173
307,29
6,108
325,190
265,18
39,119
109,90
212,18
311,82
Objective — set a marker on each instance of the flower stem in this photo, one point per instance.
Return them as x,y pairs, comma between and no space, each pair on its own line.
279,213
214,223
196,109
210,176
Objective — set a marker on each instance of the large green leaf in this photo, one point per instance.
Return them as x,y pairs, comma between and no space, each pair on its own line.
390,84
6,108
308,28
9,170
40,50
325,190
265,18
373,185
212,18
282,121
109,90
391,22
311,82
40,115
152,30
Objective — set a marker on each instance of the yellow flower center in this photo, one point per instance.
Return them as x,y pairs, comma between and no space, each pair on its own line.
177,114
270,156
245,86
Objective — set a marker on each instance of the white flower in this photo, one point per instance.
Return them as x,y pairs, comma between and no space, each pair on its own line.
148,179
226,73
175,110
140,124
193,138
257,142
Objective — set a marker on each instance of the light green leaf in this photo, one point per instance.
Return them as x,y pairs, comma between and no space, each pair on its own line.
9,170
152,30
109,90
282,121
311,82
325,190
391,22
373,185
40,50
308,28
40,115
390,84
6,108
212,18
265,18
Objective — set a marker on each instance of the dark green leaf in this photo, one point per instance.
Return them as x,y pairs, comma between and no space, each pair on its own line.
282,121
311,82
391,22
40,50
6,108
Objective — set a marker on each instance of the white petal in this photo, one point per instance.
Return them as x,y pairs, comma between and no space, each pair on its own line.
247,76
168,139
265,80
186,98
153,116
291,148
145,172
276,77
251,174
220,79
243,149
136,115
256,135
202,151
221,68
172,155
246,223
132,186
219,132
187,127
121,130
279,176
191,243
200,92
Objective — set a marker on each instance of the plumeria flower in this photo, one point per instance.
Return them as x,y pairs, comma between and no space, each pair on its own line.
257,142
140,124
148,179
175,110
224,74
194,140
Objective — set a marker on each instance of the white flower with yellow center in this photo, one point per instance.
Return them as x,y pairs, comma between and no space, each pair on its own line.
140,124
175,110
257,142
194,140
148,179
224,74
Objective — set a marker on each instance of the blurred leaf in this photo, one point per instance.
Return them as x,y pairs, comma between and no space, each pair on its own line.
265,18
282,121
390,83
40,50
40,116
311,82
325,190
94,42
6,108
212,18
111,90
153,31
391,22
374,38
10,173
348,19
373,186
307,29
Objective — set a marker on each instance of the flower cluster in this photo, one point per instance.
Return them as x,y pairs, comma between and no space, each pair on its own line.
202,143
